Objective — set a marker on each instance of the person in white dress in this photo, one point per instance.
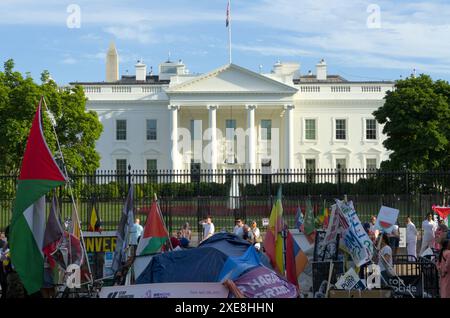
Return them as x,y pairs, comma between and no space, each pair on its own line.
429,228
411,239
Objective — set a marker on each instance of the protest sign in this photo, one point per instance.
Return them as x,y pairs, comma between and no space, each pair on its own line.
166,290
386,219
333,226
100,242
350,280
262,282
402,231
356,240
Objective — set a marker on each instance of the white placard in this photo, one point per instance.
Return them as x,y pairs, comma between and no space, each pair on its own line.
265,222
402,231
386,219
166,290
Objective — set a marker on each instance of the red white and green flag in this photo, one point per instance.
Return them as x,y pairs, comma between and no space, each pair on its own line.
38,175
155,233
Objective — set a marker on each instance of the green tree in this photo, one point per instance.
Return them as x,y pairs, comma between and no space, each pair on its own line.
77,129
416,122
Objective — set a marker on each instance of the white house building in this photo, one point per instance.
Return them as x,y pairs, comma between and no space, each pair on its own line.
234,117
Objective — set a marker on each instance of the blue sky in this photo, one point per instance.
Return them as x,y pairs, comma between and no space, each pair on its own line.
413,34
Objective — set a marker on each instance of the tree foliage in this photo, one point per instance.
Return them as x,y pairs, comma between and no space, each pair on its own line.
416,118
76,128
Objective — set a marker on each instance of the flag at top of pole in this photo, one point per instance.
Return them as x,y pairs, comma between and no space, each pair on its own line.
228,15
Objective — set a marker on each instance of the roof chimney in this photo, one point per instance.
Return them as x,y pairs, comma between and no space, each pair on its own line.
141,71
321,70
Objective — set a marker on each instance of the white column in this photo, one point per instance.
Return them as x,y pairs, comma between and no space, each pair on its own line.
213,129
289,136
251,145
175,156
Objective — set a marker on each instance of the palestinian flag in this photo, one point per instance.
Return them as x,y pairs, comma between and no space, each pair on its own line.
155,233
38,175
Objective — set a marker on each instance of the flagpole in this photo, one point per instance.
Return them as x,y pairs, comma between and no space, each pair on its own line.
71,195
229,32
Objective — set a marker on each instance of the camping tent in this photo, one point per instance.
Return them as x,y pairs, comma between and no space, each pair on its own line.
202,264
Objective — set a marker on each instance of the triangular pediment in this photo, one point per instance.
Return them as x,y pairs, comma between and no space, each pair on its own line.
232,79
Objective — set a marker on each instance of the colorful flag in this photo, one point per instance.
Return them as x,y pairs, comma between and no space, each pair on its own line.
95,222
227,23
296,259
53,233
126,222
273,242
309,225
326,218
155,233
299,219
38,175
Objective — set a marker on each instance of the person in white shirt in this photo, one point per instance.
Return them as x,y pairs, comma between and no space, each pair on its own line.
385,260
429,228
257,238
411,239
373,231
208,228
239,228
135,233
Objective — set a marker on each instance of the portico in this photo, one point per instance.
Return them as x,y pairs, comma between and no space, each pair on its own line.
240,126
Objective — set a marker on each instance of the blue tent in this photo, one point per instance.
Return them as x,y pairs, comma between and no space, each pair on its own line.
202,264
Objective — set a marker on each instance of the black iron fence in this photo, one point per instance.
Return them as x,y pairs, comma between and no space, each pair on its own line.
191,195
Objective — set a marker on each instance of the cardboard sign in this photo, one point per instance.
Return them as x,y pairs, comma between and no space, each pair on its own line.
349,281
166,290
356,240
386,219
402,231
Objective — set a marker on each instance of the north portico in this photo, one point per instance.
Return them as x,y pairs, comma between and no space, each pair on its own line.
238,98
235,118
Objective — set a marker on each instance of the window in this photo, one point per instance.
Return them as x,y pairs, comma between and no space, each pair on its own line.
152,166
341,129
342,163
121,170
266,169
371,129
266,129
310,129
371,164
310,165
195,171
230,126
121,129
196,129
151,129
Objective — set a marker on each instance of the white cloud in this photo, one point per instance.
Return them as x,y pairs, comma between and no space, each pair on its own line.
69,60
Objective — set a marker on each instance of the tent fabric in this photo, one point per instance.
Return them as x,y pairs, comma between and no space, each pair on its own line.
193,265
228,243
202,264
235,266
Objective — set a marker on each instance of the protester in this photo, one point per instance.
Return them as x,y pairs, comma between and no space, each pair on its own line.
394,239
248,234
257,238
239,228
385,259
186,231
429,228
443,266
373,231
208,227
175,240
440,235
411,239
135,234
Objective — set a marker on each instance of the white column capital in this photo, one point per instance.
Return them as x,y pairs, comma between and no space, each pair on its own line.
173,107
212,107
289,107
251,107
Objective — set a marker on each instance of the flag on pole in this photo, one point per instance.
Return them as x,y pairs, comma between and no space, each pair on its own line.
309,218
299,219
53,233
227,23
155,233
126,222
273,242
95,222
76,231
38,175
296,259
